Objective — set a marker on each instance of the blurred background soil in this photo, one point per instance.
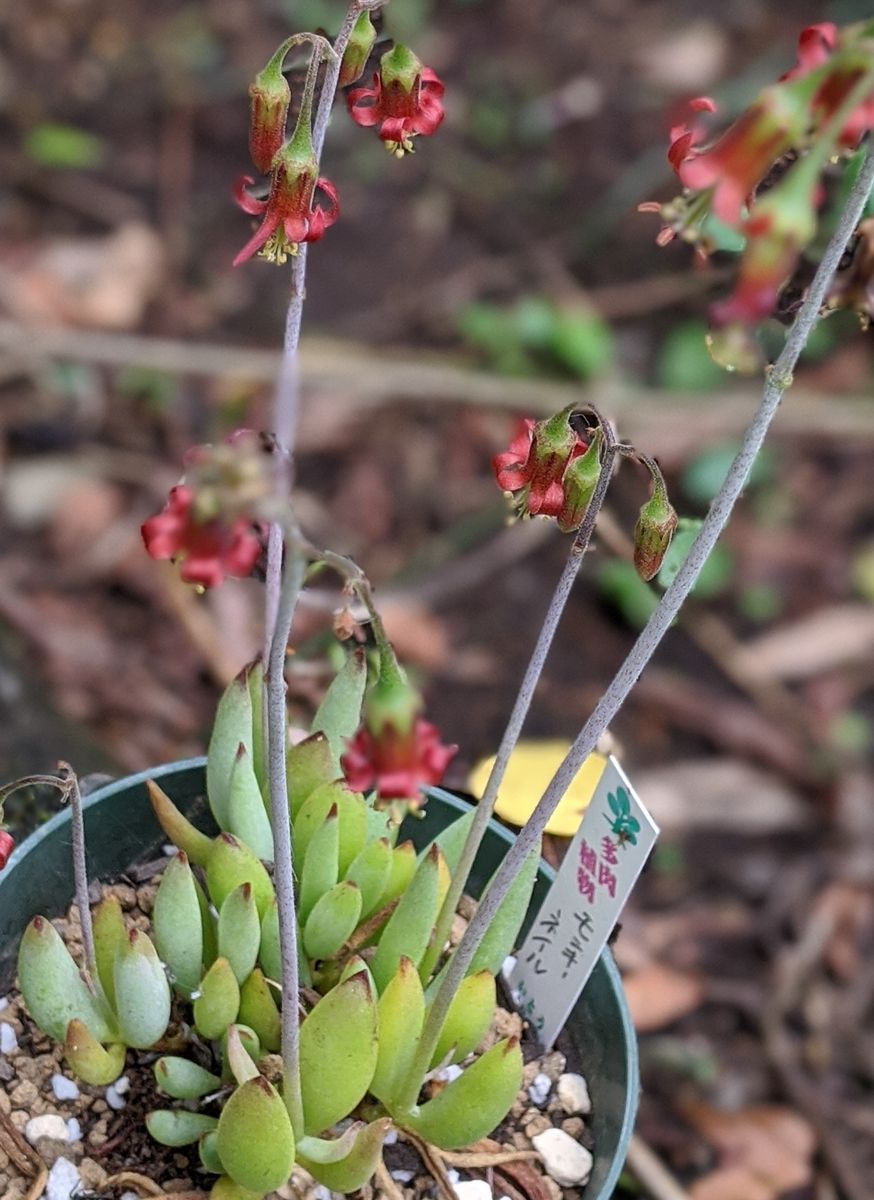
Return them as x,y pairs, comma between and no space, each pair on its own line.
500,271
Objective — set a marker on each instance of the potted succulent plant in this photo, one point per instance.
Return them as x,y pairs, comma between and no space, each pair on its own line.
299,985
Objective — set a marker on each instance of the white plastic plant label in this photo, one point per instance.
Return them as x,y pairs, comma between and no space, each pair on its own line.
594,881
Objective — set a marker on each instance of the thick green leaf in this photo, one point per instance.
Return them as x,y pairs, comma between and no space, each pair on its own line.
270,953
338,1047
142,993
178,926
309,765
247,816
468,1019
239,931
507,921
184,1079
350,1173
232,863
451,839
209,1157
255,680
319,873
109,933
240,1063
339,714
352,814
219,1001
410,926
88,1059
332,920
178,1126
231,728
178,828
258,1010
403,868
370,870
472,1105
53,989
401,1012
255,1141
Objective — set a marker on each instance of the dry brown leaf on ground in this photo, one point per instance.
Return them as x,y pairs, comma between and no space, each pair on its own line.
830,637
766,1151
658,995
104,283
722,793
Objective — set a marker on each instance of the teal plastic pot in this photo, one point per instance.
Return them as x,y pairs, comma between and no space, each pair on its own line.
120,829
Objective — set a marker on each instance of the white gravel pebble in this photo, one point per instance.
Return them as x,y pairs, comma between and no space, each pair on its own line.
573,1094
132,1195
8,1040
402,1176
507,966
565,1160
122,1085
64,1088
539,1089
448,1073
74,1130
4,1002
453,1176
48,1125
115,1102
63,1181
472,1189
390,1138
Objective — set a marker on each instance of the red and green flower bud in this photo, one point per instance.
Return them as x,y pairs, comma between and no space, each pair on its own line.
578,483
269,98
536,461
654,529
7,845
357,51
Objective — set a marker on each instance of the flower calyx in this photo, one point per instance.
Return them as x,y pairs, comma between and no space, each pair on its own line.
404,100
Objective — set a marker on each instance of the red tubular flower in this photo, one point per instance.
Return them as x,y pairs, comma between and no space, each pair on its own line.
209,550
7,845
289,212
535,463
404,101
737,162
781,224
396,764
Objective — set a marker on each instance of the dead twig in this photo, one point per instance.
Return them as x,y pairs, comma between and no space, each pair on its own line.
133,1179
430,1157
489,1158
20,1151
651,1172
386,1183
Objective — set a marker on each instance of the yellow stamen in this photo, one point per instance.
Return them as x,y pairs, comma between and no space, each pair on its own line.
277,248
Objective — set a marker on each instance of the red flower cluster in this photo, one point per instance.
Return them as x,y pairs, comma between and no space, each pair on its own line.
7,845
552,469
721,179
209,550
404,101
397,764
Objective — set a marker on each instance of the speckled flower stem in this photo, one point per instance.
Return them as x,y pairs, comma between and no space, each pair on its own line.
778,380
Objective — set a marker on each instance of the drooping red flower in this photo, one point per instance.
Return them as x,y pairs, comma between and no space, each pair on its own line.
535,463
815,44
404,101
210,549
738,161
291,214
781,224
396,764
7,845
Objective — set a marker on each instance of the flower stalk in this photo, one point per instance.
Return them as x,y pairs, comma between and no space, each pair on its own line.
779,379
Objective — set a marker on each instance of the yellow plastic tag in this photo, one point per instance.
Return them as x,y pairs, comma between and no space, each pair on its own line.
532,766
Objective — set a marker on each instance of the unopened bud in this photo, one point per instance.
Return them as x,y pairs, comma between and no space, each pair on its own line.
655,527
357,50
269,98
